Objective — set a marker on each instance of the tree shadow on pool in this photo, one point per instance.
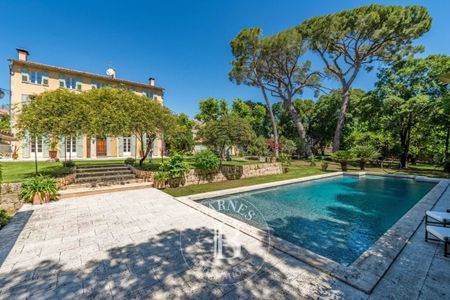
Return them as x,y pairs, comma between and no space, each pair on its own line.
157,268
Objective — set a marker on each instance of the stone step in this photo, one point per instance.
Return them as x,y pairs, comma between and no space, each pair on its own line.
103,165
102,168
80,190
102,183
97,173
108,178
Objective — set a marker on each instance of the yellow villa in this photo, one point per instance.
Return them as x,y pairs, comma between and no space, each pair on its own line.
31,78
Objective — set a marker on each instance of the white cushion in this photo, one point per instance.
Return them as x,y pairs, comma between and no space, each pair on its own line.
442,233
439,216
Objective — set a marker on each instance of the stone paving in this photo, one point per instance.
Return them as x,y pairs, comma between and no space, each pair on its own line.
145,244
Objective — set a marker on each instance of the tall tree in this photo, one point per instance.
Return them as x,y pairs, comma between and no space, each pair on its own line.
212,109
253,112
352,40
246,69
286,77
411,91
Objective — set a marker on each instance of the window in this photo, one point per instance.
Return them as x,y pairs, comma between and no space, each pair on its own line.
149,94
126,145
71,145
25,75
71,83
98,85
36,147
36,77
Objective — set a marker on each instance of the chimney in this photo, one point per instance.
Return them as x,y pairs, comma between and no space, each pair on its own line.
23,54
151,81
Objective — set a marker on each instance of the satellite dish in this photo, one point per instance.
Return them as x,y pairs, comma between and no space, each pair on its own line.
110,72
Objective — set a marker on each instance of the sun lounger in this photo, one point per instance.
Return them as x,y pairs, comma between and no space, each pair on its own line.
439,217
441,234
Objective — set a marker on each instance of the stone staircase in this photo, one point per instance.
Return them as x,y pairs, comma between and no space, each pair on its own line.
99,179
100,175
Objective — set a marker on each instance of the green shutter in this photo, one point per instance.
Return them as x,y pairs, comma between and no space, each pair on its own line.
120,152
133,146
62,148
45,148
79,146
26,146
155,147
108,146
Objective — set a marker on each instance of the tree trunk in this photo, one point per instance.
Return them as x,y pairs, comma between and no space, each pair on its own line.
272,119
299,126
404,142
147,150
447,142
341,120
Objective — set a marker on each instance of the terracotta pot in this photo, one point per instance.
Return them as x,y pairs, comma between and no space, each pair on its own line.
52,154
324,167
273,159
36,198
15,156
45,197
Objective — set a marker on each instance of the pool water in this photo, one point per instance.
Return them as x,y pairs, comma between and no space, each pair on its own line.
338,217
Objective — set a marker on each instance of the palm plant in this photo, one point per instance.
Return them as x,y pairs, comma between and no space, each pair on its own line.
342,157
365,153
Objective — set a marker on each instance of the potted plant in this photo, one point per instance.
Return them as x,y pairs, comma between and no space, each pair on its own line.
365,153
342,157
160,180
52,153
323,164
15,154
39,189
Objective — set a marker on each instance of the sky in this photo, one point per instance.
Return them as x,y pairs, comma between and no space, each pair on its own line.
185,45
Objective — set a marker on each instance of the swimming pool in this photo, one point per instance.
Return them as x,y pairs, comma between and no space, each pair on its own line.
338,217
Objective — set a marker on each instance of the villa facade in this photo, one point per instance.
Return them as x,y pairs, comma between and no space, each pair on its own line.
31,78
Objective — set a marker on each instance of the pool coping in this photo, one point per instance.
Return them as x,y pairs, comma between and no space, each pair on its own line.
367,270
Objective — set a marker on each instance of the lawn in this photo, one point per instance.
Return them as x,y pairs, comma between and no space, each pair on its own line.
18,171
300,169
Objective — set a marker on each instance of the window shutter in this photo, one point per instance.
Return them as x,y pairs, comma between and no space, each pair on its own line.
26,146
133,146
62,148
155,147
120,152
79,146
45,148
108,146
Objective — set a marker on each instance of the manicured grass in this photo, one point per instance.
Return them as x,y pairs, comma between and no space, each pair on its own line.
18,171
300,169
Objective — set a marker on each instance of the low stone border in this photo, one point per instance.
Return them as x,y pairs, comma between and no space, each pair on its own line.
366,271
195,176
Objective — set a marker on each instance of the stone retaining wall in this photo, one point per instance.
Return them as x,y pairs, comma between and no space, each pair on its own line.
195,176
9,197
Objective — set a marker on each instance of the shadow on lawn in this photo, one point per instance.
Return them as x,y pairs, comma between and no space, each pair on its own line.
155,269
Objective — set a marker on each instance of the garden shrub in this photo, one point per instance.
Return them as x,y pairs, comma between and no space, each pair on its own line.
68,164
175,166
206,160
259,147
148,166
4,218
130,161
